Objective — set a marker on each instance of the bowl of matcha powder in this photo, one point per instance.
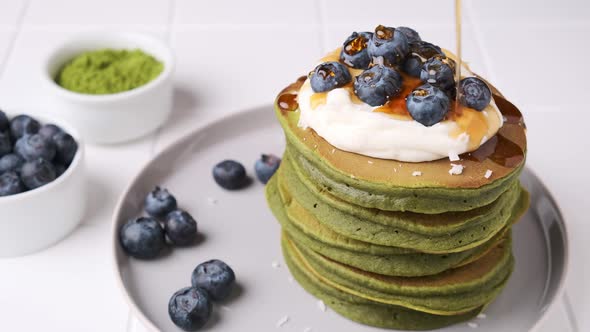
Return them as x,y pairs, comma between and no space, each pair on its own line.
113,87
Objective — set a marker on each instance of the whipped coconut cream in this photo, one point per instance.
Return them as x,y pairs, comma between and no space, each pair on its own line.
355,127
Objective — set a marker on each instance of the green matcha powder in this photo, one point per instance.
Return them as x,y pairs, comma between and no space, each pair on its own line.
108,71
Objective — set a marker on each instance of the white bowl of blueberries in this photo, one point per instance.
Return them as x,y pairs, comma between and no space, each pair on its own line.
42,183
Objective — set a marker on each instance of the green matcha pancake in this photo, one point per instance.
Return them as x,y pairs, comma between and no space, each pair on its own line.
369,312
389,184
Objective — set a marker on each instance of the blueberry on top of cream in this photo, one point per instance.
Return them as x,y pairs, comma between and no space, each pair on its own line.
428,104
354,50
377,85
390,44
328,76
474,93
420,51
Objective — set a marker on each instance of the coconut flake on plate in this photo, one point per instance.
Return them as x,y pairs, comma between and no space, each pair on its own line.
456,169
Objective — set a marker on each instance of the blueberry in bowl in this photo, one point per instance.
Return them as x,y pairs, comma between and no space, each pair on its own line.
180,228
5,143
159,202
411,34
49,130
377,85
216,277
230,175
142,238
428,104
190,308
34,183
266,166
389,44
354,51
474,93
328,76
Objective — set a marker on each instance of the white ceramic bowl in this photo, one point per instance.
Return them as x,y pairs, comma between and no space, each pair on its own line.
38,218
117,117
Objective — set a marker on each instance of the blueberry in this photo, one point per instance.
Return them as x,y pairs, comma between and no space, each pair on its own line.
180,228
190,308
5,143
377,85
354,50
37,173
22,125
428,104
419,51
328,76
66,148
11,163
230,174
266,166
474,93
389,43
10,184
49,130
4,123
142,238
159,202
439,71
32,147
411,34
216,277
59,169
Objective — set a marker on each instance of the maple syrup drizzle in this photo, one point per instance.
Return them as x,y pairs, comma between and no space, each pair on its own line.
287,100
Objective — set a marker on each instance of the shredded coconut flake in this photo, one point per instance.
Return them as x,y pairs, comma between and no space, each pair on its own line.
282,321
395,170
488,174
456,169
416,173
275,264
431,80
370,162
473,325
283,105
333,150
322,305
453,156
482,316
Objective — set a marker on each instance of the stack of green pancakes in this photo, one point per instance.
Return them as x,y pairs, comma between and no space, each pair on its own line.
388,249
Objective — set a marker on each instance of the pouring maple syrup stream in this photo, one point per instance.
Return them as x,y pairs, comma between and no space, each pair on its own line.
458,37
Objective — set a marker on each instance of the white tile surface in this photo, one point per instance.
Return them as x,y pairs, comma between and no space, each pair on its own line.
6,40
212,82
42,12
225,12
539,12
68,287
10,12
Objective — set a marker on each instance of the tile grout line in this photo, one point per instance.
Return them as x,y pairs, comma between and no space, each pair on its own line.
12,42
569,311
169,26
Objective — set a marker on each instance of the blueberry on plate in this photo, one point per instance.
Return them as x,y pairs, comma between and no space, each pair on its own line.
32,147
22,125
354,50
66,148
59,169
328,76
10,184
266,166
5,143
428,104
180,228
49,130
419,52
411,34
159,202
11,163
377,85
216,277
190,308
142,238
439,71
474,93
37,173
230,174
4,123
390,44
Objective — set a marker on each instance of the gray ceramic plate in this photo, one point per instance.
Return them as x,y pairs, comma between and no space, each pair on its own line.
238,228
